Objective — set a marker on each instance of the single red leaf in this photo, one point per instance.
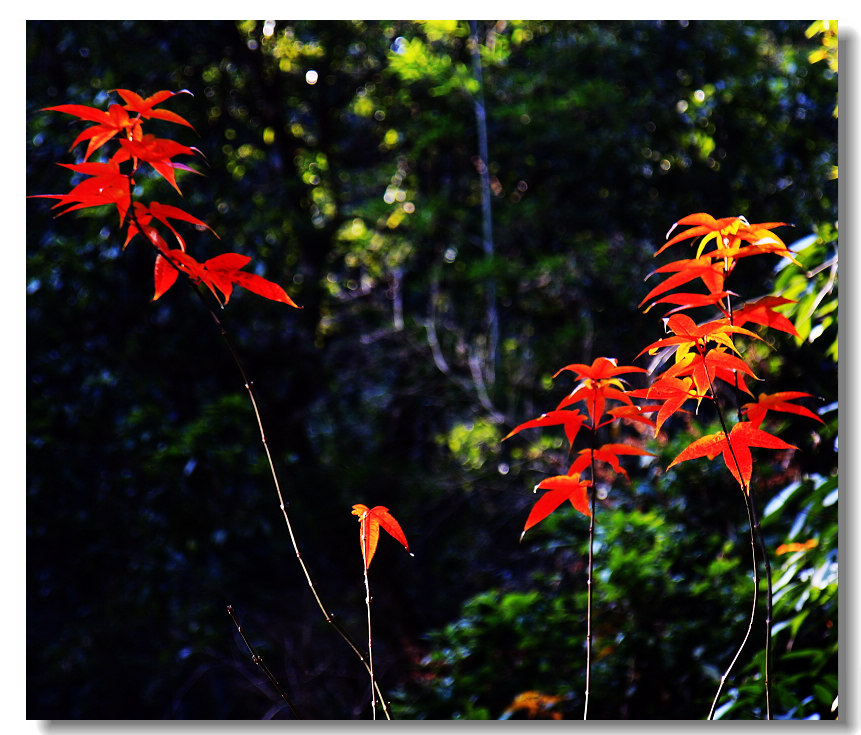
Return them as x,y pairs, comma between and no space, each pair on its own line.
223,271
105,185
673,392
370,520
262,287
110,122
559,489
712,275
157,152
633,413
692,301
687,332
762,312
777,402
570,420
735,449
599,382
165,276
85,112
144,107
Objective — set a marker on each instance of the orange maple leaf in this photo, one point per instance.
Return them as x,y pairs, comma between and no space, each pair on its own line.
571,421
559,489
371,520
598,383
608,453
735,449
777,402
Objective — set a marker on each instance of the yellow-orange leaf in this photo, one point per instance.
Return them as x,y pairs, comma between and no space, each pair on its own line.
370,522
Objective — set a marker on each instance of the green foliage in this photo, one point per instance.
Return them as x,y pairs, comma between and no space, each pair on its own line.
655,577
805,607
813,285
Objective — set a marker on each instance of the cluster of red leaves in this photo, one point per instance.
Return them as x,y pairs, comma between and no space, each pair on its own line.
706,352
597,385
703,353
112,182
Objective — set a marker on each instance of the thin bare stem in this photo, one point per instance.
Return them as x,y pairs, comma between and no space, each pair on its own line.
589,582
370,641
263,667
756,529
750,621
590,577
755,532
769,673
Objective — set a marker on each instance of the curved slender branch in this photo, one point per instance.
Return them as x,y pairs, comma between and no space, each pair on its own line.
750,621
263,667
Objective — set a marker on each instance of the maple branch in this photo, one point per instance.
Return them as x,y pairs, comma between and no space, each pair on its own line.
281,503
263,667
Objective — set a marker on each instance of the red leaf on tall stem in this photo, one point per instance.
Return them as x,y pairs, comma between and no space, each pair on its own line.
371,520
735,449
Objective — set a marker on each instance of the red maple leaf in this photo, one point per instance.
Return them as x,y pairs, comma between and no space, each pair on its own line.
687,332
673,392
104,185
158,153
733,237
144,107
371,520
777,402
598,383
109,123
570,420
712,274
608,453
762,312
705,368
219,274
144,214
559,489
735,449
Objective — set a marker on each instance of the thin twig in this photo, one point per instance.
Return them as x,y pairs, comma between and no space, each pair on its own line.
752,611
370,639
769,674
263,667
